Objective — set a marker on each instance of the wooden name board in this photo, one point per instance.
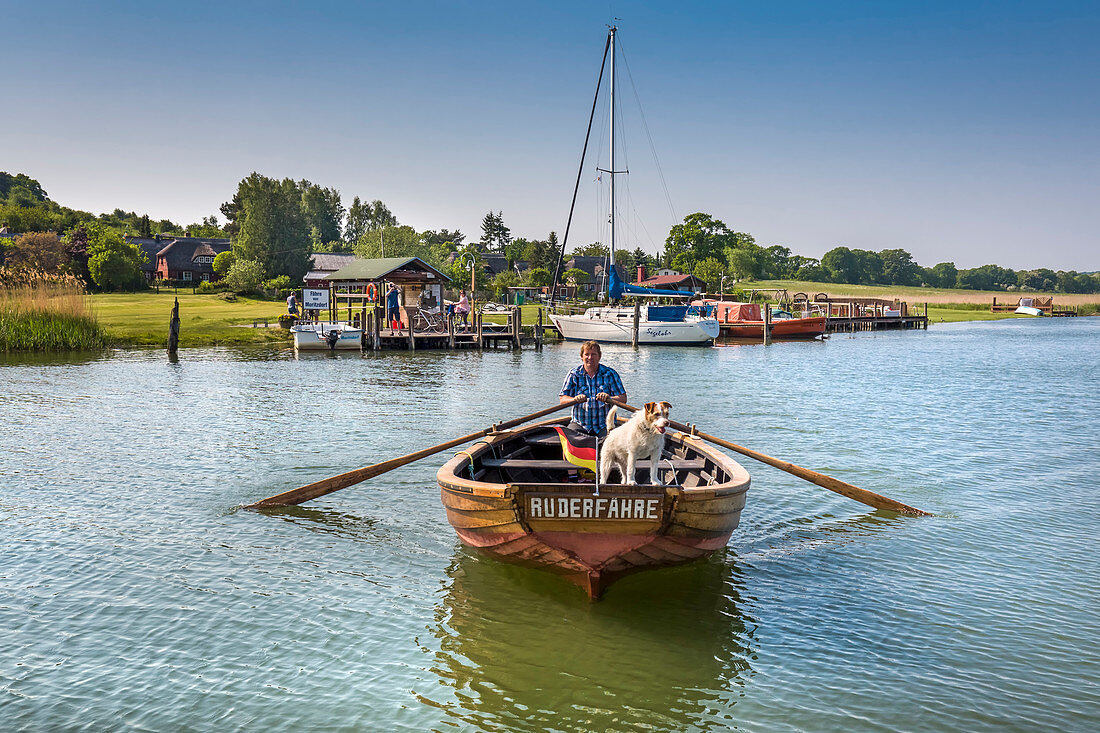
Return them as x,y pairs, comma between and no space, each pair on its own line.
604,507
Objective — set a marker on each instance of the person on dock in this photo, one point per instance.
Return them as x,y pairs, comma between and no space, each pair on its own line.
292,305
393,307
596,382
462,309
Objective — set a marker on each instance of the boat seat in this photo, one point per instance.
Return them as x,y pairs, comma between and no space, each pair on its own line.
688,464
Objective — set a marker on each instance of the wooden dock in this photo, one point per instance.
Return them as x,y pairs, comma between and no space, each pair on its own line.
478,334
850,324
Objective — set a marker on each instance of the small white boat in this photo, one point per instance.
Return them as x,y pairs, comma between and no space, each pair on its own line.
326,336
1028,310
669,325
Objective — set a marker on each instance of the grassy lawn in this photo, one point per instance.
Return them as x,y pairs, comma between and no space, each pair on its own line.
141,319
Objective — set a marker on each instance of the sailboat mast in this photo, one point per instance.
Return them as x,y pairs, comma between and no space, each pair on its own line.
611,168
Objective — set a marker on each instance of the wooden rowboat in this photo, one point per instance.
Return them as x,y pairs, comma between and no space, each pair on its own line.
515,498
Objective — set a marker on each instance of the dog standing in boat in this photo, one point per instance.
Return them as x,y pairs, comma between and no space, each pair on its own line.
642,435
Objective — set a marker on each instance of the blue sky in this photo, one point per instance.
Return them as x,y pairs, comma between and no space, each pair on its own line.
959,131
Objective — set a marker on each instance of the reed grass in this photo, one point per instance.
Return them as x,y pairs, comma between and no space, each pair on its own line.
42,311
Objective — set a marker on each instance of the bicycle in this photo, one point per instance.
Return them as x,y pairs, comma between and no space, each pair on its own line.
430,322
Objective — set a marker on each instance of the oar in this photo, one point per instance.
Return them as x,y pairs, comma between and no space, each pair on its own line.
344,480
870,498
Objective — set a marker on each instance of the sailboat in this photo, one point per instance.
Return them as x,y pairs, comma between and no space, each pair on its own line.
672,325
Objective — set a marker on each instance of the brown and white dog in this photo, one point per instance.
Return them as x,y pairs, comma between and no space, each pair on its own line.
642,435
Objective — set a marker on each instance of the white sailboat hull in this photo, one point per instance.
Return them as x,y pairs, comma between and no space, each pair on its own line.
315,336
616,326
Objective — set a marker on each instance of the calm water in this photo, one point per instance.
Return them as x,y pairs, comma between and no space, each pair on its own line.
134,594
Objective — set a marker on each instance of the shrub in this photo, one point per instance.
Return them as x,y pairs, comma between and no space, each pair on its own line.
244,276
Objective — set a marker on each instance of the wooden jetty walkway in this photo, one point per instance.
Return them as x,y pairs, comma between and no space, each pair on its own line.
478,334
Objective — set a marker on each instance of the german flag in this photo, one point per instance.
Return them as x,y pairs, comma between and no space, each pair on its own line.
578,448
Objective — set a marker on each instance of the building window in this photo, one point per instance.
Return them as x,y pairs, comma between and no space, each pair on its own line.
206,277
186,275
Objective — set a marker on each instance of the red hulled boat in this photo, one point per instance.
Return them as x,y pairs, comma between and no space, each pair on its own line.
745,321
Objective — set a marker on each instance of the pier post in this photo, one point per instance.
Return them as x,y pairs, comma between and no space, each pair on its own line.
450,327
538,331
412,334
517,326
174,330
767,323
480,335
637,318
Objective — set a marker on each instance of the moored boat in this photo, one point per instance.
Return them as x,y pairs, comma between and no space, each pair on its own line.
326,336
514,497
669,325
745,321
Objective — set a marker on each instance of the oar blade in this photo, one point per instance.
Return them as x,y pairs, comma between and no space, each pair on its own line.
344,480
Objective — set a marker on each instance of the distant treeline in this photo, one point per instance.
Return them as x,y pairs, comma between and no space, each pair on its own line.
707,248
276,224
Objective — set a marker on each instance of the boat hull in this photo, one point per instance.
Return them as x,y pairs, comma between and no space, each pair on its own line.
620,330
792,328
314,337
589,538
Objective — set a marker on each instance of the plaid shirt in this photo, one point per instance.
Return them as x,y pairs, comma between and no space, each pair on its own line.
592,415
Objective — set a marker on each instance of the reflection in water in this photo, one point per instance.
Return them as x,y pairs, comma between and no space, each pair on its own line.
519,650
326,521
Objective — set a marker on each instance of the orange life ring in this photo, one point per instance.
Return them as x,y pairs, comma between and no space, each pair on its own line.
372,292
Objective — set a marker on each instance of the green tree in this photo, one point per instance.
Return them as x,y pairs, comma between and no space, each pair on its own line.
710,271
943,275
26,186
396,241
379,216
703,236
37,251
539,276
494,234
499,285
898,267
540,254
356,224
208,228
591,250
742,263
222,262
775,263
1041,279
245,276
870,267
273,230
323,210
841,265
575,276
113,263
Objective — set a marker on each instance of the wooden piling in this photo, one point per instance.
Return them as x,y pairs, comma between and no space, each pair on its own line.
174,329
634,331
538,331
767,323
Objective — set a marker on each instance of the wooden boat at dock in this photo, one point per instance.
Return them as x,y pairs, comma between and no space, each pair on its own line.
514,497
745,321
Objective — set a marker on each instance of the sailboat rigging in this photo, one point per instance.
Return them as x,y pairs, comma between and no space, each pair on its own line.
615,323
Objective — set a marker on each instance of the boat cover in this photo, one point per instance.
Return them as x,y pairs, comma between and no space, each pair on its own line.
616,289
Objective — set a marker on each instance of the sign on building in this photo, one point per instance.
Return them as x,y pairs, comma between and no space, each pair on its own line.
314,299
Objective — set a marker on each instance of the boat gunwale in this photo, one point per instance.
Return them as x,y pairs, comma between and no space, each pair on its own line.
449,479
